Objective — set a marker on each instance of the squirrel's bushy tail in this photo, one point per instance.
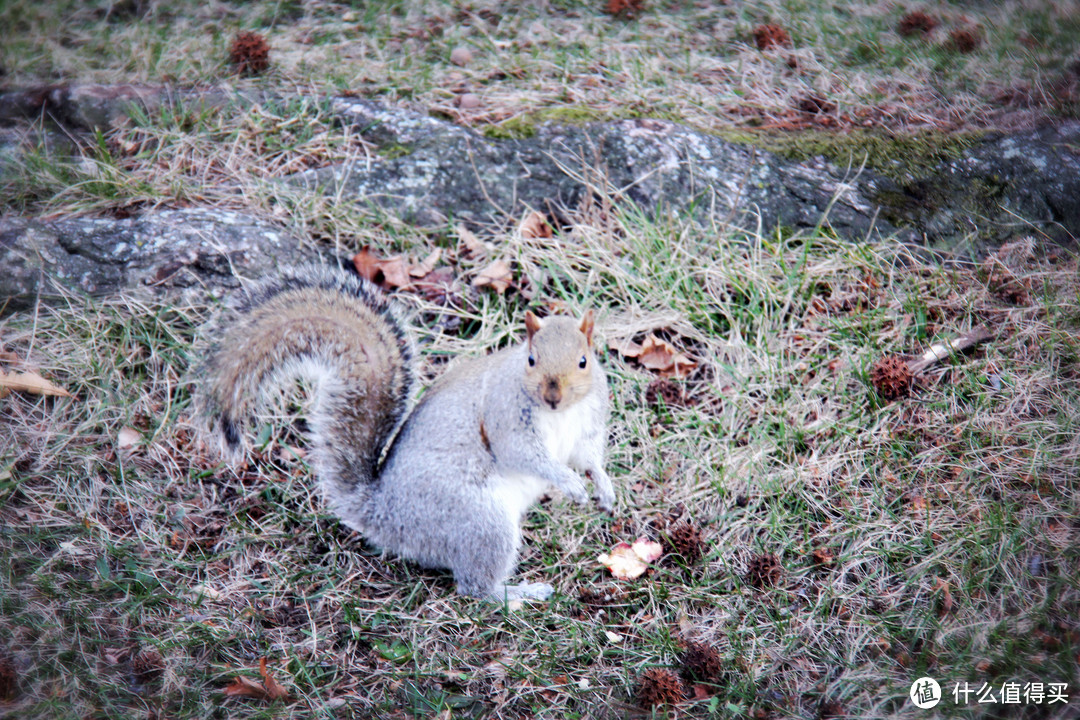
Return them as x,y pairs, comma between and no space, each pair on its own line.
339,333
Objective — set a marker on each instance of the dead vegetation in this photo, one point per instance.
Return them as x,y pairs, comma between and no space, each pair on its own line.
833,541
820,542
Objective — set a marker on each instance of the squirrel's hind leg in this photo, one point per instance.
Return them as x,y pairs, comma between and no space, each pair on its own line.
483,569
524,591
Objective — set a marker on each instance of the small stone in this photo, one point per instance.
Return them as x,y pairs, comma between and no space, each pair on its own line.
461,56
468,101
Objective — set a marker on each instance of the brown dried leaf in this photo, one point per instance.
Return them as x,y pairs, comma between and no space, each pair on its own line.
426,265
946,597
274,691
662,356
30,382
473,246
395,272
626,347
823,557
497,276
628,8
268,689
366,263
535,226
246,687
387,273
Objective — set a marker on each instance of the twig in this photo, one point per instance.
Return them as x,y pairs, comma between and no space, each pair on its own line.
940,351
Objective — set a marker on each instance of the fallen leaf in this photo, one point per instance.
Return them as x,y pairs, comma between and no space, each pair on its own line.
946,597
245,687
30,382
127,438
439,286
534,226
473,247
268,689
823,557
274,690
647,550
395,273
626,561
624,7
387,273
662,356
497,276
626,348
426,265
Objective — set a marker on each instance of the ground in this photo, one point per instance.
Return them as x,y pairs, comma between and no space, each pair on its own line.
850,543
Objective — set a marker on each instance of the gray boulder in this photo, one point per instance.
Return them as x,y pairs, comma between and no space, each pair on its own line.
185,254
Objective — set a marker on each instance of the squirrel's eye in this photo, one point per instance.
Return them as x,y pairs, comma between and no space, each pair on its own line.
583,362
532,361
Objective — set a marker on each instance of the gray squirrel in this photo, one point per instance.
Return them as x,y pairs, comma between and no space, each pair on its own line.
444,483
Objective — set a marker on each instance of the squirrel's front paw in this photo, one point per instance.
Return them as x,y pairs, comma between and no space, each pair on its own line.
574,488
605,493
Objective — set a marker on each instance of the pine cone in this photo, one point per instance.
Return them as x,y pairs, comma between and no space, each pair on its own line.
249,53
765,571
891,377
770,36
147,665
702,662
685,539
660,686
916,22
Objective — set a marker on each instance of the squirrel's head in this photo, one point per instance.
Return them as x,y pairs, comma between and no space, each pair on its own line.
558,368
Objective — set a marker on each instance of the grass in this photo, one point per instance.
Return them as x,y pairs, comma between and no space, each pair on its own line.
143,580
935,535
693,62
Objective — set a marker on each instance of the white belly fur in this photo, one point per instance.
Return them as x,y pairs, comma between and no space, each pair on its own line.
516,493
561,431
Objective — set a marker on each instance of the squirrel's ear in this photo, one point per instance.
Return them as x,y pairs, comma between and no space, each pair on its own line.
532,324
587,326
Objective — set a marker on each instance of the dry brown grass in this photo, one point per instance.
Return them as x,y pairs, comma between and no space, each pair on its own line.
699,63
934,535
949,516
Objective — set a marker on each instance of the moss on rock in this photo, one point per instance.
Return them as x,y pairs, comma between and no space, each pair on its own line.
900,157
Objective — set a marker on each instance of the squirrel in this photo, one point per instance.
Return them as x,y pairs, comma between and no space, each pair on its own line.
445,482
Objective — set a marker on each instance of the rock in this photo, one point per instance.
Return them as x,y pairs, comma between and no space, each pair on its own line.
99,107
190,254
452,171
468,101
461,56
1001,187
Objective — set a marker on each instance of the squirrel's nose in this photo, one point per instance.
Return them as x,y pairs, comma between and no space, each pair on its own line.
551,393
